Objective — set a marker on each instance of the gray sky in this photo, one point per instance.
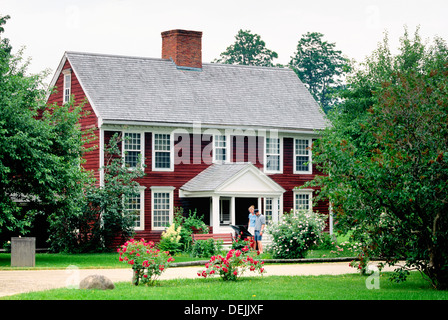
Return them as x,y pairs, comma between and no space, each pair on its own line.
47,28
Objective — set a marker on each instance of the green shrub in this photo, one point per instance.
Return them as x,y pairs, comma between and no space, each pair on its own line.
169,241
295,234
187,223
206,248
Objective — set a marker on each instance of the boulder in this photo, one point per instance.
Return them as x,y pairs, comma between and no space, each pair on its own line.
96,281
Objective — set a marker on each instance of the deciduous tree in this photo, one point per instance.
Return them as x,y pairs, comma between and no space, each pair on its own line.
248,49
386,158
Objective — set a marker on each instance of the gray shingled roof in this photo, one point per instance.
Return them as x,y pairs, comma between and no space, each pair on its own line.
214,176
125,88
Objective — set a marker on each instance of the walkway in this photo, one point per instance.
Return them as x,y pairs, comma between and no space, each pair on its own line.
21,281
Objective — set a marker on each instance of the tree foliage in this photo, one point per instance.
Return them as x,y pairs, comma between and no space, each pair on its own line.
385,158
248,49
320,67
40,147
41,173
102,215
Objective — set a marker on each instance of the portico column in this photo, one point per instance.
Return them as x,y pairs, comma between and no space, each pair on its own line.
215,214
275,202
232,210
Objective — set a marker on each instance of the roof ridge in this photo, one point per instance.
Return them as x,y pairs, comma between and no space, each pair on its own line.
114,55
266,68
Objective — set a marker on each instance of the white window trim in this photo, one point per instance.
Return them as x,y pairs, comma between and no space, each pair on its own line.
266,170
141,190
310,156
171,168
142,147
170,190
308,192
227,148
66,97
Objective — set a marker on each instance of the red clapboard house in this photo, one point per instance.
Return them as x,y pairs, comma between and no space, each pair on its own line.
215,138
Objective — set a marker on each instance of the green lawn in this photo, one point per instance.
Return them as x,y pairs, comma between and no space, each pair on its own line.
110,260
83,261
345,287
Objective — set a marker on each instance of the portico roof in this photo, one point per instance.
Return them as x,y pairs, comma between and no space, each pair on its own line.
231,179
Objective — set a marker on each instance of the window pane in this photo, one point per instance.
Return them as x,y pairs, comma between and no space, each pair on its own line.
161,209
302,147
132,141
220,148
132,149
302,155
302,201
162,142
302,163
273,154
133,206
272,146
163,160
273,162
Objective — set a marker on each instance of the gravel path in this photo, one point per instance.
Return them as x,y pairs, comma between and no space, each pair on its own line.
20,281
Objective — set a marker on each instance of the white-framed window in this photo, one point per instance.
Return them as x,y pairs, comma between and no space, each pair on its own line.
133,151
273,155
162,207
303,200
162,152
135,207
269,206
67,85
302,156
220,148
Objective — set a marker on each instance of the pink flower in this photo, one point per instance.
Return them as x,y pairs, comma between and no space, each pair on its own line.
171,259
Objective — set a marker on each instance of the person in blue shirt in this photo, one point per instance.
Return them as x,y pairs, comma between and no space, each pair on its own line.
260,224
251,223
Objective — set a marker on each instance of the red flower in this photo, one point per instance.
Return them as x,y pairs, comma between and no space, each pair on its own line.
235,272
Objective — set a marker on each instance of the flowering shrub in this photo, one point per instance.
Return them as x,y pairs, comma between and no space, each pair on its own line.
295,234
239,243
233,265
170,238
206,248
147,262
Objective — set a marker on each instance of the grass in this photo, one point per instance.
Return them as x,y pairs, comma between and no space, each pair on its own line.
110,260
345,287
83,261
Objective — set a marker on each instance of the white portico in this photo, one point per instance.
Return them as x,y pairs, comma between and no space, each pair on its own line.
227,185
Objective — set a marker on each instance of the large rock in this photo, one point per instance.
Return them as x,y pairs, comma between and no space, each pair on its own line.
96,281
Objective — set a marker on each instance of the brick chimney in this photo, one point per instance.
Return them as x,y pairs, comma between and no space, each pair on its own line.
184,47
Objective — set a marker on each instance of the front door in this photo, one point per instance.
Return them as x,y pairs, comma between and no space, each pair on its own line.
242,210
224,211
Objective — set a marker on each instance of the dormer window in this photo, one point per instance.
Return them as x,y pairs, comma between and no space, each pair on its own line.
67,85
